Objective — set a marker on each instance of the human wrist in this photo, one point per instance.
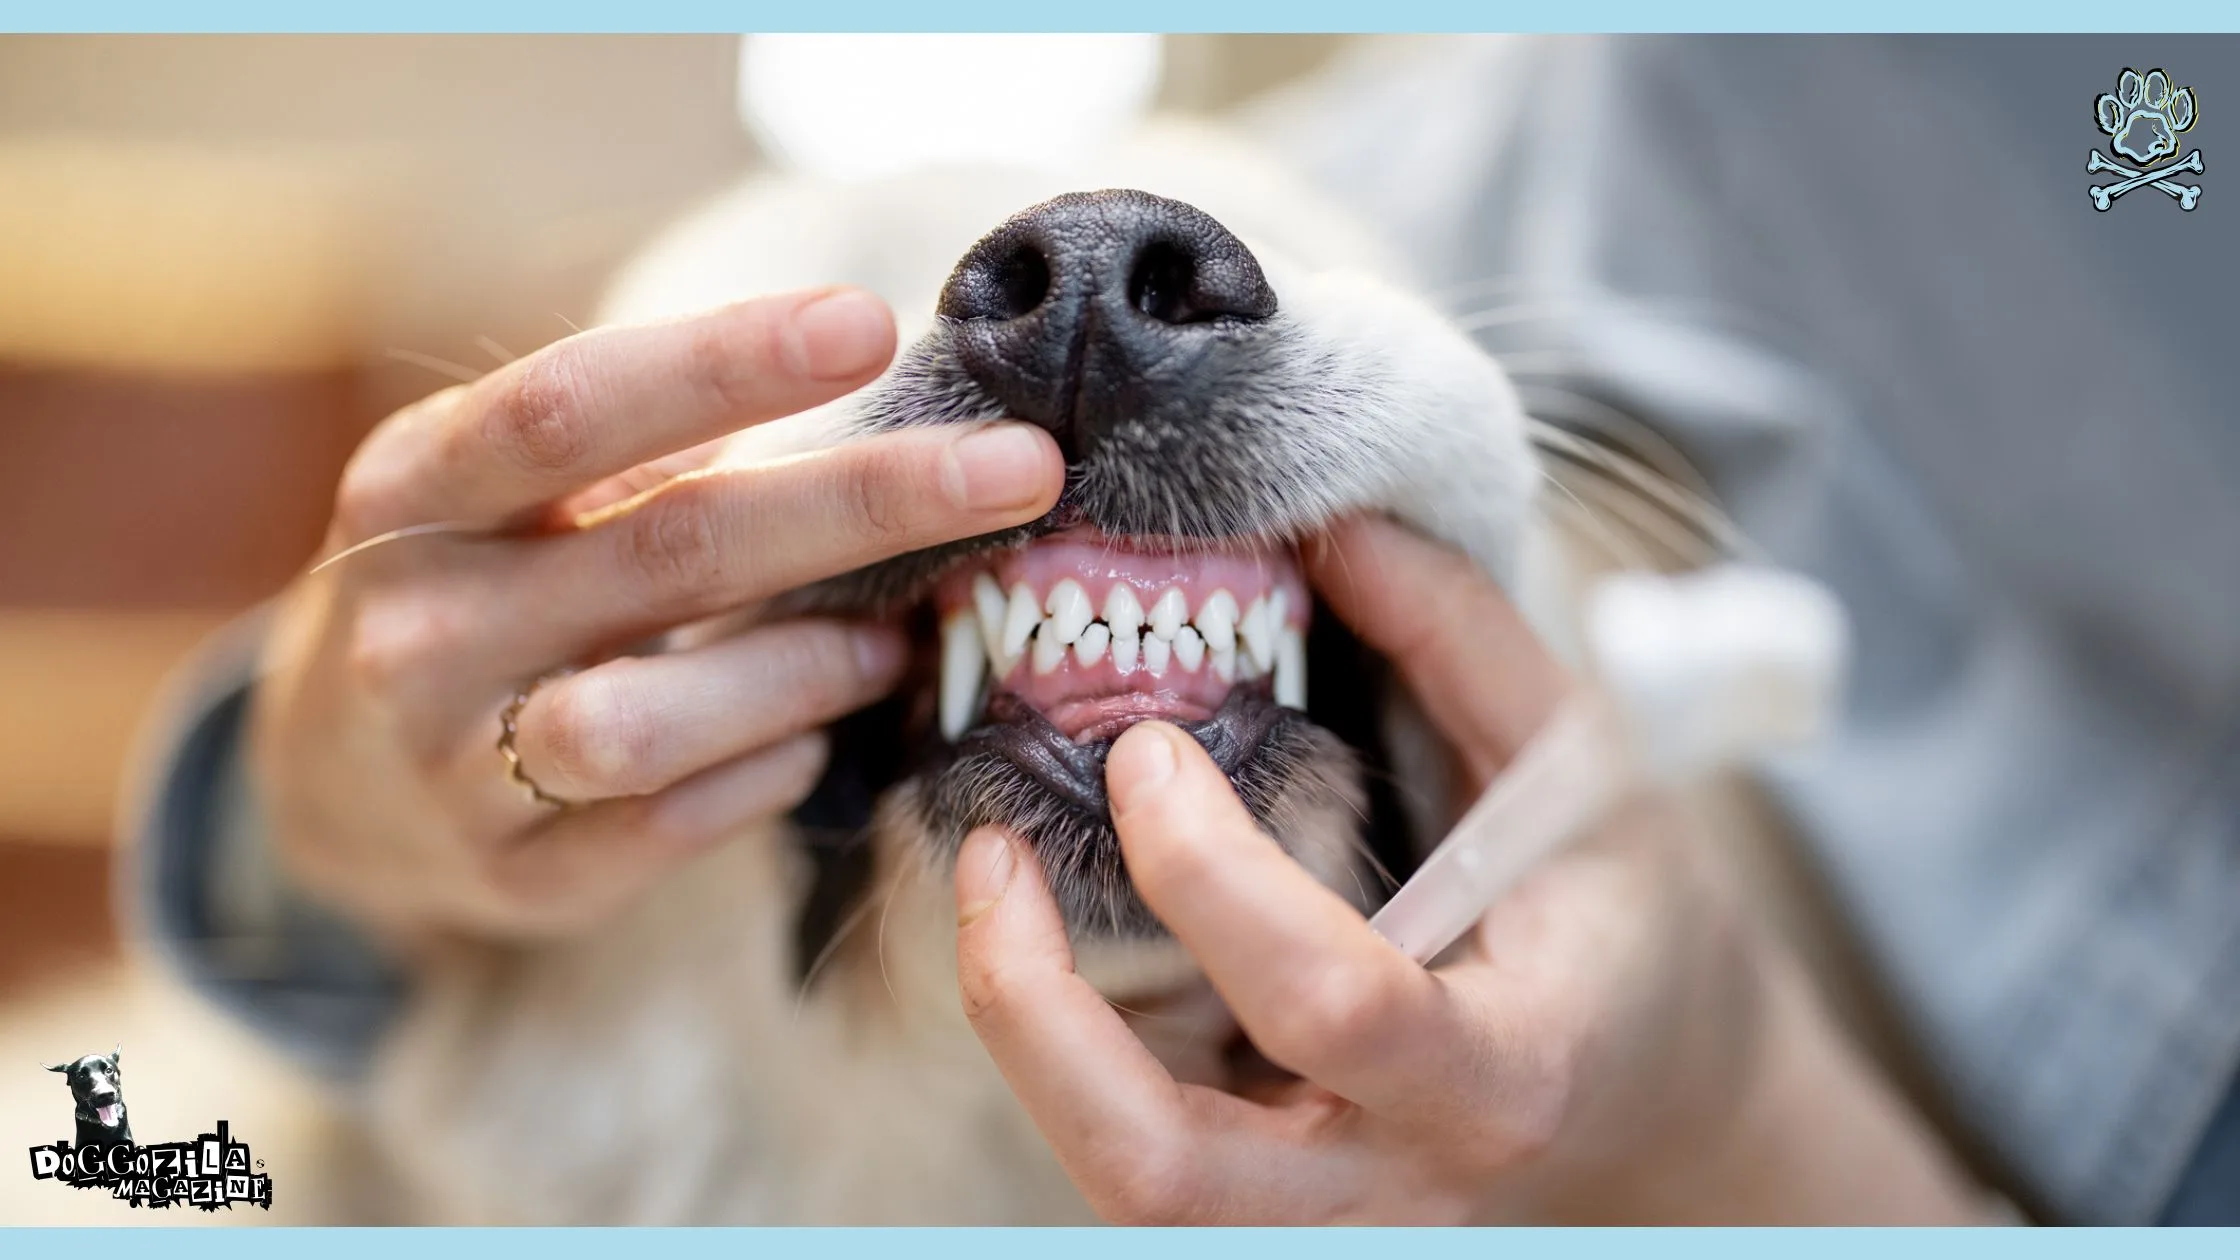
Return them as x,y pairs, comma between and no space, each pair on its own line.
1819,1136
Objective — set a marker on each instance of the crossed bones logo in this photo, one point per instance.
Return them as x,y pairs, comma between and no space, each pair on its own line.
2142,119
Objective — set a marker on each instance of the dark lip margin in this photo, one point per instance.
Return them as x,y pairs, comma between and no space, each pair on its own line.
1018,733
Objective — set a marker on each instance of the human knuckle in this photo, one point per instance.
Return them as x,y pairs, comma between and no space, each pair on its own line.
982,988
720,375
391,641
542,418
1153,1181
674,542
1340,1014
597,734
876,488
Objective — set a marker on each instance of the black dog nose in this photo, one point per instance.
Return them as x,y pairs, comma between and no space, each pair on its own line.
1093,307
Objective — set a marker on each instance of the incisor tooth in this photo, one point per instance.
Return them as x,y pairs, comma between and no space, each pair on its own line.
963,661
1020,617
1121,609
1217,620
1189,649
1126,643
1259,634
988,604
1168,613
1291,668
1224,664
1069,610
1089,648
1047,650
1156,652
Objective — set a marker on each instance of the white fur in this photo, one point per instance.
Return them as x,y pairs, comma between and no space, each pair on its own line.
666,1069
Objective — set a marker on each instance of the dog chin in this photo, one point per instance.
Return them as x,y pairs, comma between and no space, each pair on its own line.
1300,782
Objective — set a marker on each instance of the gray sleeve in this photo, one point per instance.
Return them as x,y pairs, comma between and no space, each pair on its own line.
201,885
1859,284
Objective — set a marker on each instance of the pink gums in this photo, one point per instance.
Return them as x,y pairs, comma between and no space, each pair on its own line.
1097,702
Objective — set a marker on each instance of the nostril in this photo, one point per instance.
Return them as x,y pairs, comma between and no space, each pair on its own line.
1160,285
1022,281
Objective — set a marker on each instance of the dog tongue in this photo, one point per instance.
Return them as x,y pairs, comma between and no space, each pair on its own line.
108,1114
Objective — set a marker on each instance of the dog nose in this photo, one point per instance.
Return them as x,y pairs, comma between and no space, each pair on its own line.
1093,307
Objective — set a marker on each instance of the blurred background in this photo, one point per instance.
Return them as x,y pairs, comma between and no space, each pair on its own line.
222,259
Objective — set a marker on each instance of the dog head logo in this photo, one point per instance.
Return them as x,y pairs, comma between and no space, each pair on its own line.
97,1089
2143,119
213,1170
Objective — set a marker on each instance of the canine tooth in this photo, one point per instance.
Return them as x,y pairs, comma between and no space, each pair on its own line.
1168,613
987,607
963,662
1121,610
1047,650
1259,633
1069,610
1189,649
1126,643
1217,620
1089,648
1156,652
1224,664
1020,617
1291,668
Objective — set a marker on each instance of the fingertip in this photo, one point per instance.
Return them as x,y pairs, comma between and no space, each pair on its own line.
1005,467
986,866
1142,761
839,334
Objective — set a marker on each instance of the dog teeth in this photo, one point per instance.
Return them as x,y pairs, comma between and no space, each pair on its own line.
1121,610
1020,617
983,643
964,662
988,607
1069,609
1189,649
1126,643
1047,651
1156,652
1089,648
1168,613
1291,668
1258,630
1217,621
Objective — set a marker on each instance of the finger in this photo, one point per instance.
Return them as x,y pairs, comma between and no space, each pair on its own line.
599,402
636,725
712,541
1122,1128
584,865
1317,991
1481,674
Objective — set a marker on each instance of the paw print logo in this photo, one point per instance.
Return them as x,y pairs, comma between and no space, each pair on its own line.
2142,119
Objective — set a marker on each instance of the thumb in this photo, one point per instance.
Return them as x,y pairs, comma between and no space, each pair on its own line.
1480,673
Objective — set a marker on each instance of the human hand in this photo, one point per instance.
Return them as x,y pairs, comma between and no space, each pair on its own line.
1613,1043
375,723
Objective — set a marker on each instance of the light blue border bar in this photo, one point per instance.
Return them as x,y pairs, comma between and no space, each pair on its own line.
986,1244
1180,16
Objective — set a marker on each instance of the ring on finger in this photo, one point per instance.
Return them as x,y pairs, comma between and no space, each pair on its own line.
509,729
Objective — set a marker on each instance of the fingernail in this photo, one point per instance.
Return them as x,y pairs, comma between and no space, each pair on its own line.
1142,761
842,334
998,468
984,869
879,652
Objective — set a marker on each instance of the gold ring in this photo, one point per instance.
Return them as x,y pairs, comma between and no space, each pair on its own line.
509,720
